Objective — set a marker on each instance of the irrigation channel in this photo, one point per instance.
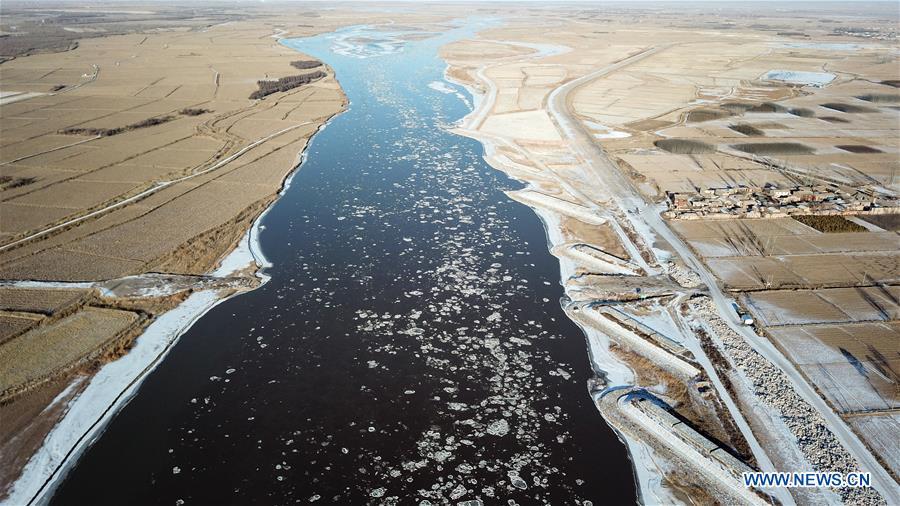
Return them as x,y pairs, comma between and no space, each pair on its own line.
409,346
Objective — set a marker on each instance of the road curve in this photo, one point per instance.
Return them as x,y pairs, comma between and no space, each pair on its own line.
624,193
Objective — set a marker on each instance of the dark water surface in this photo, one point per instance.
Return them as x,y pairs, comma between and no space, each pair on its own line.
408,347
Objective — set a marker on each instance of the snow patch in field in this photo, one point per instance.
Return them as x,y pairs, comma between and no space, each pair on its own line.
825,46
542,50
8,97
600,131
46,285
881,433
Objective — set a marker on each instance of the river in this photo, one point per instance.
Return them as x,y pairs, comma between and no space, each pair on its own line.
409,346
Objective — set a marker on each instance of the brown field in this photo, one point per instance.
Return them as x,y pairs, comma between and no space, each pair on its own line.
746,129
846,341
855,366
778,237
889,222
39,301
831,305
806,271
42,353
830,224
143,77
685,146
775,148
11,325
797,131
601,236
880,431
27,420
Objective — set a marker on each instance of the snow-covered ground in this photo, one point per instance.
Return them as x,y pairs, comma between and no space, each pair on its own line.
881,431
8,97
824,46
600,131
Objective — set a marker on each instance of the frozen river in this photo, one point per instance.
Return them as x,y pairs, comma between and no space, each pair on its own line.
408,347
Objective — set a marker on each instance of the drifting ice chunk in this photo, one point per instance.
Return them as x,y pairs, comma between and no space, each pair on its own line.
498,428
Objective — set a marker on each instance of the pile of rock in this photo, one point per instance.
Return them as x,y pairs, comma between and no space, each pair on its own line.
770,385
684,276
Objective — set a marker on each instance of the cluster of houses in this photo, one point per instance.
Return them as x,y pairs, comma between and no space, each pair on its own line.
773,201
867,33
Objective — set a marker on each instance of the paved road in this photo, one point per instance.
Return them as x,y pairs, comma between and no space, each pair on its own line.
620,189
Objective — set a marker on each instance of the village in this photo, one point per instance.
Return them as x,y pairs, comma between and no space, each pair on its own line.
773,201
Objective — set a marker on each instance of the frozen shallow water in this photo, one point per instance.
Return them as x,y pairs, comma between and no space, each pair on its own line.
817,79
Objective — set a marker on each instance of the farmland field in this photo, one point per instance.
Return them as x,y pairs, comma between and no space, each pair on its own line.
880,431
831,305
37,300
40,353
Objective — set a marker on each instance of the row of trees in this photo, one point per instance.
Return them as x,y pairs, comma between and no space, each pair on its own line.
106,132
285,83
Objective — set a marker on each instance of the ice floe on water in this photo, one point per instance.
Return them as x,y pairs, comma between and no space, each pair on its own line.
817,79
443,87
365,42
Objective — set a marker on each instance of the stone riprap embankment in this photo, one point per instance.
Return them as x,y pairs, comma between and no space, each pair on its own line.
771,386
637,413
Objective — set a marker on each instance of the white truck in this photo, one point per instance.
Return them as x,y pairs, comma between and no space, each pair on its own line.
743,317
